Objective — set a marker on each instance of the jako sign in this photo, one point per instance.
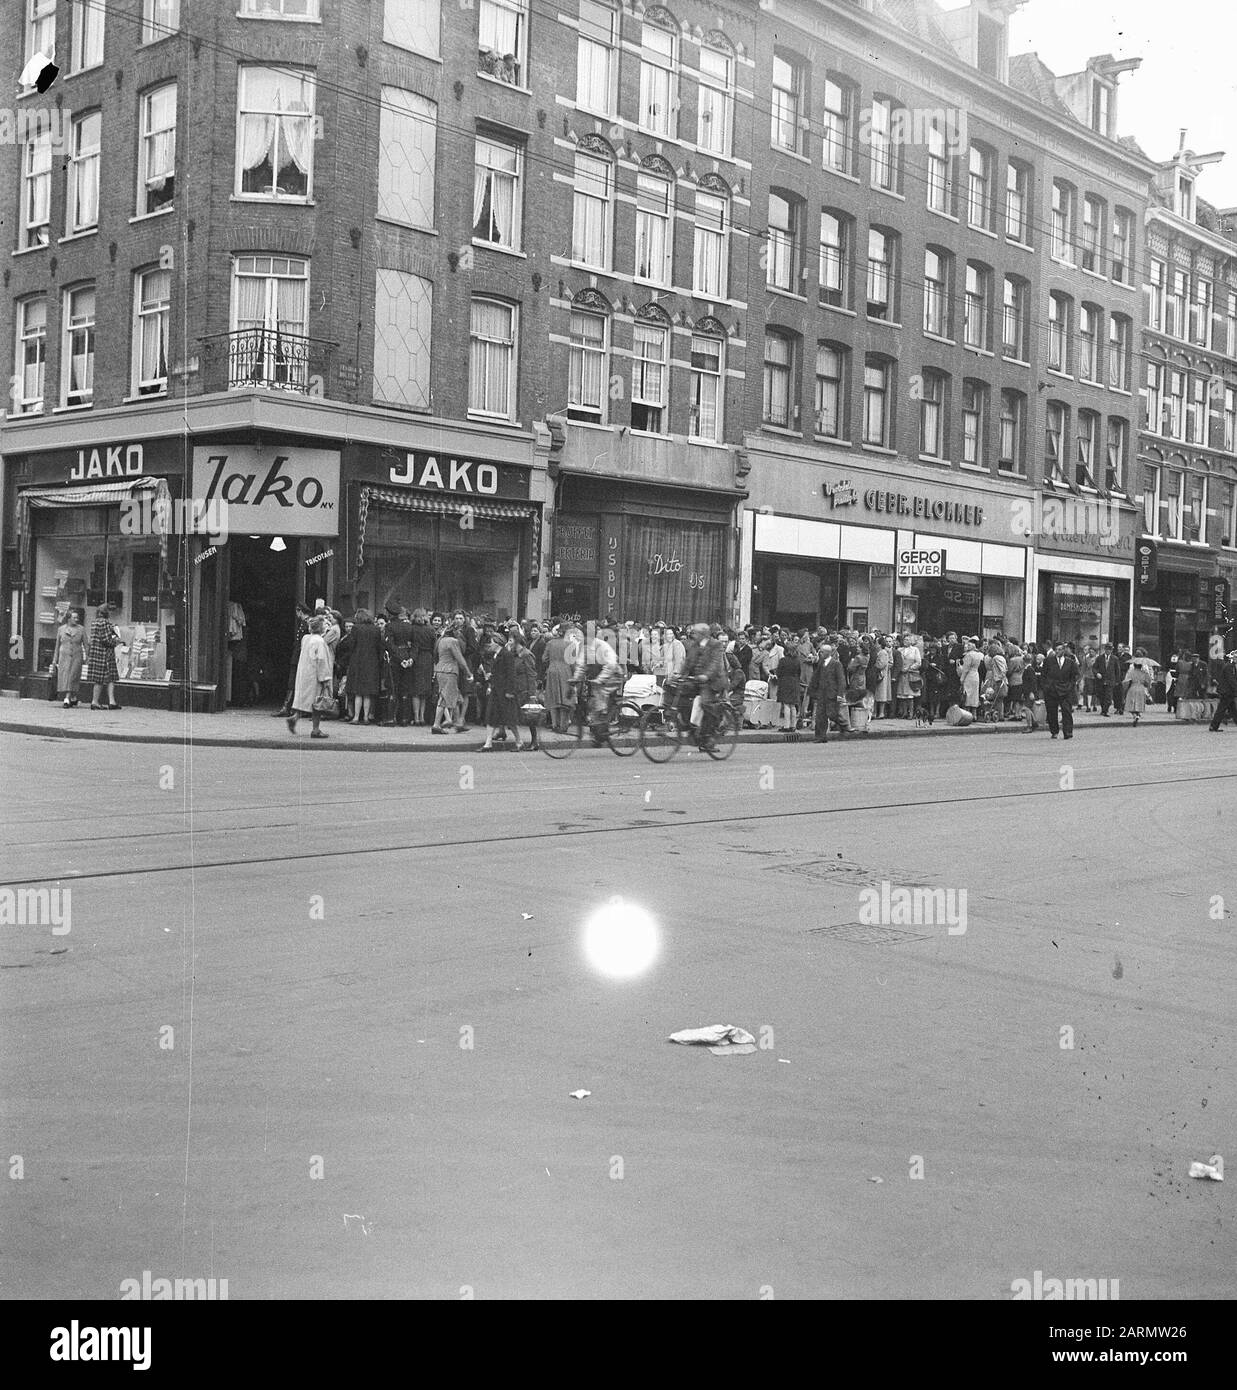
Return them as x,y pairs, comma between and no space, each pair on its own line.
271,492
921,564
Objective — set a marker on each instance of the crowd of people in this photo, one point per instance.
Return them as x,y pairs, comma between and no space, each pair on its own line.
450,671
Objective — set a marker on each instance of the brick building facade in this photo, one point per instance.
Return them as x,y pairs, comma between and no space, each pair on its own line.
532,307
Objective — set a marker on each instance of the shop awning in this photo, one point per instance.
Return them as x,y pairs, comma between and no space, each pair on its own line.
483,508
66,495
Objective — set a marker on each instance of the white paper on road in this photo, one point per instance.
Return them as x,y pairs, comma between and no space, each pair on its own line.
721,1039
1213,1168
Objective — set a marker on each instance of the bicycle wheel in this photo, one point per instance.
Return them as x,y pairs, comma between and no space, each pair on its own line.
556,744
625,729
725,736
661,732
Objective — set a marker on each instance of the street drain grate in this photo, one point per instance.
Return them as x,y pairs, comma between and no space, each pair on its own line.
863,934
828,871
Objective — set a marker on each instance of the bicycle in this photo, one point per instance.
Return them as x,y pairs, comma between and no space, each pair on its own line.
663,731
619,732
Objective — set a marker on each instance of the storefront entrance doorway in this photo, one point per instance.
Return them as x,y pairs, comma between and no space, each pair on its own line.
263,582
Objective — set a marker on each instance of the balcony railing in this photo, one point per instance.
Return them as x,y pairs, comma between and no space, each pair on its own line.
273,360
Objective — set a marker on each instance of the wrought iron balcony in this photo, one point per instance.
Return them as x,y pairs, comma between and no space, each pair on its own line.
273,360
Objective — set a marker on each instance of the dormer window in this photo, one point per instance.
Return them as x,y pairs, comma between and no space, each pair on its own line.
1185,197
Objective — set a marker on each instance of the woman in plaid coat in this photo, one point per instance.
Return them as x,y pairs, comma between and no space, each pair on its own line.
101,658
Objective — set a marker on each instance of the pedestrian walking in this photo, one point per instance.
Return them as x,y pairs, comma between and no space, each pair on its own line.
449,667
1137,684
968,675
313,694
101,669
559,696
1060,688
1226,684
69,657
364,667
829,692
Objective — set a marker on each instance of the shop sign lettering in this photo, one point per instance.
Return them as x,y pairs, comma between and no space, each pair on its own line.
842,494
108,464
295,492
659,565
921,564
462,475
611,566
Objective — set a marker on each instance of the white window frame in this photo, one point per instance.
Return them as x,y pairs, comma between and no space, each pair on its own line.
485,170
150,315
1086,447
587,202
1093,231
1017,181
778,374
30,357
1059,314
715,105
877,388
974,411
979,188
495,350
152,167
84,329
1120,334
1154,397
597,47
279,9
1116,454
86,44
1012,460
659,87
936,293
40,30
1156,291
84,164
160,19
289,121
492,59
1062,222
711,247
976,305
1201,306
272,269
36,192
932,416
707,381
883,161
582,351
834,256
838,115
1055,441
654,252
1014,313
830,390
1122,244
784,244
1089,343
938,170
881,271
786,106
647,368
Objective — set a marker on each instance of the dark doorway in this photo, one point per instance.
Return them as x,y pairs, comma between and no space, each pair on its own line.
263,582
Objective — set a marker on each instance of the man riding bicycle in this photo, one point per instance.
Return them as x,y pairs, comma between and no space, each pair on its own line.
596,654
703,675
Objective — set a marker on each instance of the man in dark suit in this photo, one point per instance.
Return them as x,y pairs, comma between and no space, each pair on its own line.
828,689
1226,683
1061,689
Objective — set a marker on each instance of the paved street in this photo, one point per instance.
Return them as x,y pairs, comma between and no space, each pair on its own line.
326,935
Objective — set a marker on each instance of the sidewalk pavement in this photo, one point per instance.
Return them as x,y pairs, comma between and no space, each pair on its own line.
247,728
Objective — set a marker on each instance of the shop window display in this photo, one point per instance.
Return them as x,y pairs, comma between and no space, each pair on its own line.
81,559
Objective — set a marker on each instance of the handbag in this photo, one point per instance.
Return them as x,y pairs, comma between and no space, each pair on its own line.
324,701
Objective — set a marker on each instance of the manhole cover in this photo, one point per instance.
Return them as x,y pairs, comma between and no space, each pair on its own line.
862,934
828,870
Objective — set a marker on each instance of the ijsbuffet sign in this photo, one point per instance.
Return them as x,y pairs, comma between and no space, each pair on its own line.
921,564
269,492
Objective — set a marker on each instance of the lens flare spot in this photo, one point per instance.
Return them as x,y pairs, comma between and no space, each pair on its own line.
620,940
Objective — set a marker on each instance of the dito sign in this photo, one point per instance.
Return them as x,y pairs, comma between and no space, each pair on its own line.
270,491
921,564
1146,566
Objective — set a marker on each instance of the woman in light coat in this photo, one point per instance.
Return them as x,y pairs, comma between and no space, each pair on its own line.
968,675
1138,681
883,693
70,653
912,664
314,685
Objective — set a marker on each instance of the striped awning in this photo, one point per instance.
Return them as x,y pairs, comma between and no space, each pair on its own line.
484,509
66,495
